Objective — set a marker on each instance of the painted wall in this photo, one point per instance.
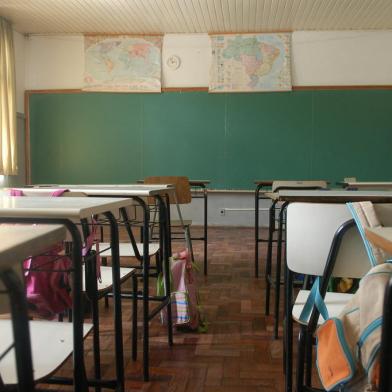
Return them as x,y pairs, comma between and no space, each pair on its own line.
318,58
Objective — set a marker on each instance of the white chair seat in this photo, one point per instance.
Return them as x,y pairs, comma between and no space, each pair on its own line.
51,345
335,302
126,249
106,280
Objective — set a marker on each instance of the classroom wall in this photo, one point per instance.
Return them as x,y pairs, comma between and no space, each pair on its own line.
318,58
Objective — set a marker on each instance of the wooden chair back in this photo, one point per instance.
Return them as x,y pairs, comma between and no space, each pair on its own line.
183,188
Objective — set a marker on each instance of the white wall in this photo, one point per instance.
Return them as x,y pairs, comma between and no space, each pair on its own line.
342,58
318,58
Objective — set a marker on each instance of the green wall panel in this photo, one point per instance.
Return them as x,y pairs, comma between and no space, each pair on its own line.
231,139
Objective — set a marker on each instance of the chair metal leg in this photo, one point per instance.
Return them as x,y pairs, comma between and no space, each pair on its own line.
308,360
104,261
301,359
288,331
134,317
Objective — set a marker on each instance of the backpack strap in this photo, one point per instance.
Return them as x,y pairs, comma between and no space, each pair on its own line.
314,300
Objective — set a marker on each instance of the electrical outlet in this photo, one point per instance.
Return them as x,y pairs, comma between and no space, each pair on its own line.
222,211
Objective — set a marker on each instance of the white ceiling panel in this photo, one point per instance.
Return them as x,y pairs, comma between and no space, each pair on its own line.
194,16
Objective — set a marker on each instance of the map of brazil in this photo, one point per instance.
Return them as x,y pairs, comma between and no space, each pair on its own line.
122,63
250,62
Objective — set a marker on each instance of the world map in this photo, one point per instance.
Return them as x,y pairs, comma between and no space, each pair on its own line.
122,63
250,62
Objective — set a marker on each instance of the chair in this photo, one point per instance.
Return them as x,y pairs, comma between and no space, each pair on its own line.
182,196
275,210
322,241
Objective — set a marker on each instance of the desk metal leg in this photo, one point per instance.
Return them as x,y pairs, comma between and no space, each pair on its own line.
114,243
205,229
165,232
21,332
278,268
257,194
145,296
268,265
92,294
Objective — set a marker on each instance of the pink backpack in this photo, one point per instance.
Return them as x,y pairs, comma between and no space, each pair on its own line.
48,288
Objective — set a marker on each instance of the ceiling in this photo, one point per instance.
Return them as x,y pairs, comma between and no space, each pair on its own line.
194,16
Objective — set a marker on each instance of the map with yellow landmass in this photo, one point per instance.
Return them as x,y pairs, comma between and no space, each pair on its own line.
122,63
250,62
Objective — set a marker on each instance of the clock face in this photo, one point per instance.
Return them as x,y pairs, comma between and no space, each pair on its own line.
173,61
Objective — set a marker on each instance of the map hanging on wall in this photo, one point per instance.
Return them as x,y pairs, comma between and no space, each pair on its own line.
122,63
250,63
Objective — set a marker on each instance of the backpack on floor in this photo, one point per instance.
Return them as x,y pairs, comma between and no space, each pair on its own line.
184,296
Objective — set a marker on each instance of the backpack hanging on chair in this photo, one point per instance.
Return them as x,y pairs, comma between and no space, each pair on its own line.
185,302
348,346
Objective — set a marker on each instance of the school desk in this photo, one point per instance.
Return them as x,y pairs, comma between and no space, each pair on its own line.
138,192
368,185
17,244
70,211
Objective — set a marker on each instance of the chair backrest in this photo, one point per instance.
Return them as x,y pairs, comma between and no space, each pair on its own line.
312,184
310,231
183,188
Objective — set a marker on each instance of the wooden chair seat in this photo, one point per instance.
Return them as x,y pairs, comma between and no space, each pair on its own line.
51,345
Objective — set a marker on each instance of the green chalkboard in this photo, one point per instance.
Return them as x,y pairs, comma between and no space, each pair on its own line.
231,139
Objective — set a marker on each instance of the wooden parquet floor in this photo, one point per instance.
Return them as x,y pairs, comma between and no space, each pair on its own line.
237,354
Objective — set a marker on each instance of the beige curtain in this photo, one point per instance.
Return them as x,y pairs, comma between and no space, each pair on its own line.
8,158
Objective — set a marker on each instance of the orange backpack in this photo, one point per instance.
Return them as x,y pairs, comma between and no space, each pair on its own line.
348,346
